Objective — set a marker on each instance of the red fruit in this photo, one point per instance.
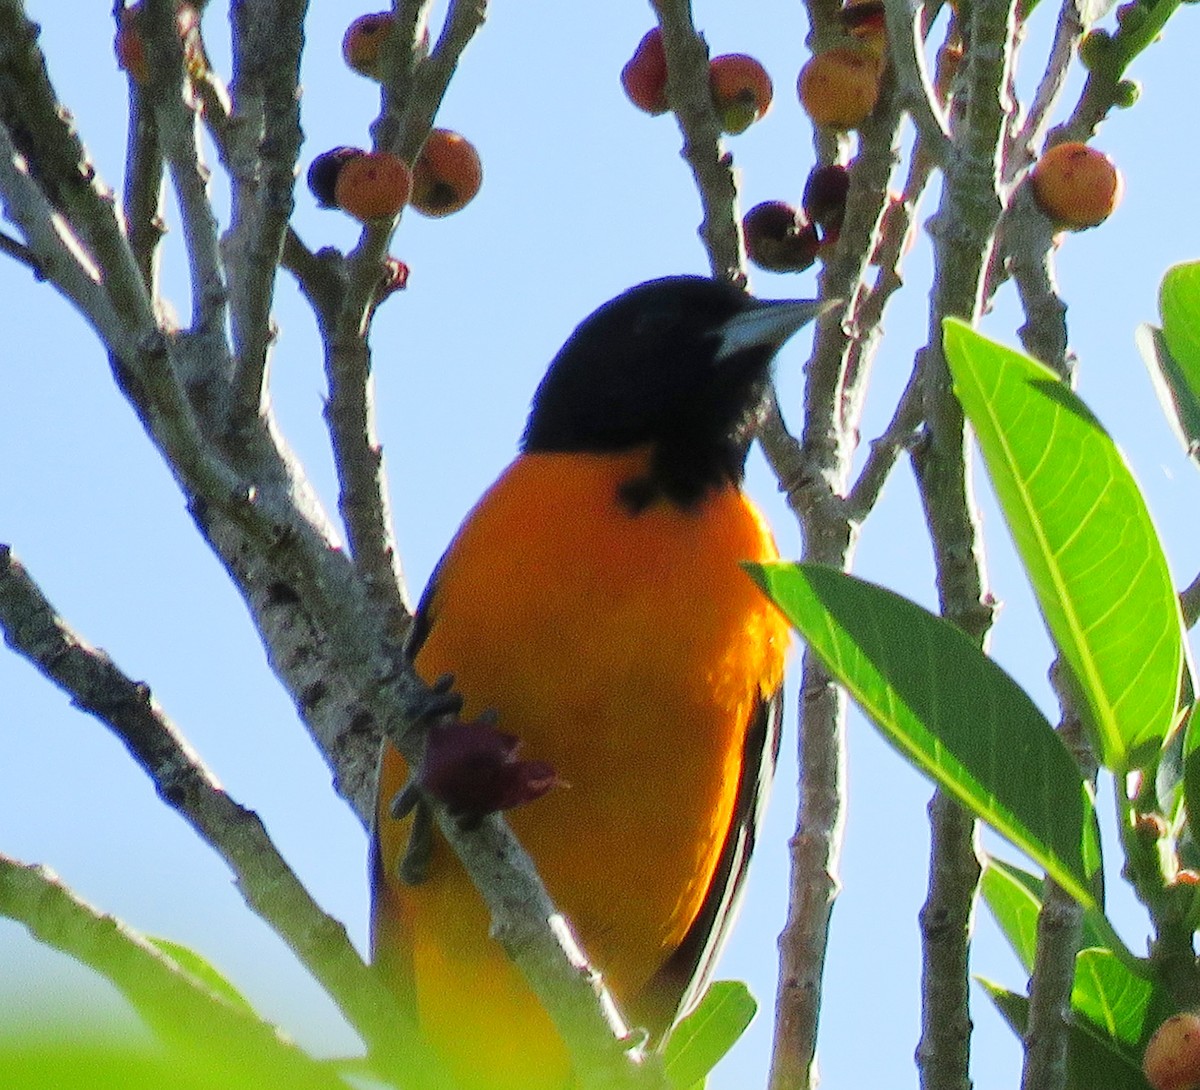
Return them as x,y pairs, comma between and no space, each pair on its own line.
395,277
373,186
824,199
446,175
364,40
323,173
778,239
839,88
1076,185
644,76
1172,1057
741,90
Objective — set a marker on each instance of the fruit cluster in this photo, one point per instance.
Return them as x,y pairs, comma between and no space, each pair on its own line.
781,238
839,86
373,186
741,89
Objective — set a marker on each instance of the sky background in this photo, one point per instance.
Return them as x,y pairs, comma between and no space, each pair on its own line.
582,197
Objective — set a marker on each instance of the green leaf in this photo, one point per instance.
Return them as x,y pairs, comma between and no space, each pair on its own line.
1094,1060
1107,994
951,711
708,1033
1179,304
203,970
1014,897
1086,539
1191,773
1180,401
1172,353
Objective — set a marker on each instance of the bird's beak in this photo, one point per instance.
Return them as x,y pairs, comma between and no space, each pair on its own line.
769,324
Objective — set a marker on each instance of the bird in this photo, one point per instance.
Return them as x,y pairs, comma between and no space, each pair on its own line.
594,604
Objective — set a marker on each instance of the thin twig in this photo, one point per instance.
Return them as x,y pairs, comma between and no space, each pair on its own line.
1189,602
1059,931
963,232
1102,89
50,246
47,140
906,50
900,435
176,117
814,478
363,496
1027,240
712,166
18,251
269,38
144,187
1027,143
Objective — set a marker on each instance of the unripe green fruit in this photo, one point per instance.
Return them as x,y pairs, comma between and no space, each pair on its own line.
1127,93
1095,48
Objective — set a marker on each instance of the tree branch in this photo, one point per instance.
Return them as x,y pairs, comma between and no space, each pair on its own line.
712,166
813,474
270,888
963,232
268,39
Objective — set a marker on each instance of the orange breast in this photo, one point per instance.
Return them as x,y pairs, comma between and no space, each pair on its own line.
629,652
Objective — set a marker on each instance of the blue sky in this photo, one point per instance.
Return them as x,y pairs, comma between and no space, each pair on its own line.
582,197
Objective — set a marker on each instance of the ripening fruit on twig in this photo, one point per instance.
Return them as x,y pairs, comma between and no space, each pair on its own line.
864,21
644,76
363,42
778,239
824,200
741,90
372,186
446,175
838,88
1076,185
323,173
1172,1057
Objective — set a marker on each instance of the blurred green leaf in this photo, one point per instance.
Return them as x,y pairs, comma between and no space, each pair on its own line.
1094,1061
708,1033
1086,539
203,970
1179,398
951,711
65,1061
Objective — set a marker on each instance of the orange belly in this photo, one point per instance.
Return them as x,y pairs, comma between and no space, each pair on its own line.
629,652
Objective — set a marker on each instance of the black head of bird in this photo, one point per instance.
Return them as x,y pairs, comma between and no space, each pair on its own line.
679,365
